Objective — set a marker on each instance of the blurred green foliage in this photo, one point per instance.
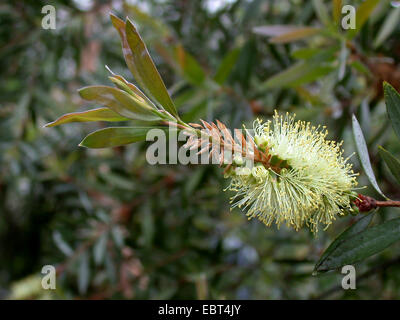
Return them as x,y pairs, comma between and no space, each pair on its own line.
117,227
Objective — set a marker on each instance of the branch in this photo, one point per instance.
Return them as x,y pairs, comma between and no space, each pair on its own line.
365,203
388,203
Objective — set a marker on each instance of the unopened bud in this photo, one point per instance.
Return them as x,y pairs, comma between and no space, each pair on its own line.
238,160
261,142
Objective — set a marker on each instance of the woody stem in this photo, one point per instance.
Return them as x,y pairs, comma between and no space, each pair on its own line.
388,203
365,203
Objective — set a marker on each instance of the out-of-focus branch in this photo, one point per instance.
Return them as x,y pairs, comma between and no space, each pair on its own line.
379,269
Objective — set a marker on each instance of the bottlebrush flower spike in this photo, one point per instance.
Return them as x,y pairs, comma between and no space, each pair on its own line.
299,177
306,180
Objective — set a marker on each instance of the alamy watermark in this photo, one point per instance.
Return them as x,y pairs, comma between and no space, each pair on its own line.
349,280
348,21
49,277
49,19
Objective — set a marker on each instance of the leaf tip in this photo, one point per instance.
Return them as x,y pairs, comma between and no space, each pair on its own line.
386,84
81,91
113,17
109,70
130,25
387,87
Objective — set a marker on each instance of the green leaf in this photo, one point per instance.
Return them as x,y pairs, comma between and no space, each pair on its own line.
62,244
337,11
141,65
117,181
360,67
274,30
365,118
117,236
315,73
287,76
392,100
99,249
197,110
305,53
193,182
128,87
391,22
362,14
114,137
362,245
298,34
307,95
226,66
284,33
391,161
126,105
344,52
322,12
99,114
298,74
354,229
189,67
158,27
83,273
304,71
363,155
147,225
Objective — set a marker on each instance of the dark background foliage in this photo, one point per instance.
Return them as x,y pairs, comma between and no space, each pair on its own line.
115,226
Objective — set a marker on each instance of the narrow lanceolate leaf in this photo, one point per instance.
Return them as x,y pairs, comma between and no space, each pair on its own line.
392,162
362,14
365,118
391,22
123,103
362,151
318,65
189,67
321,11
99,114
226,66
274,30
299,33
305,53
114,137
160,30
342,61
83,273
284,34
360,67
100,248
392,100
337,11
354,229
362,245
298,74
130,88
141,65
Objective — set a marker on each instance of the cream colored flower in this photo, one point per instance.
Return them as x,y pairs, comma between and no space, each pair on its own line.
308,183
